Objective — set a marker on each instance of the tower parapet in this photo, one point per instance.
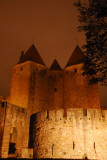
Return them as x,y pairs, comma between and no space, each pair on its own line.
72,137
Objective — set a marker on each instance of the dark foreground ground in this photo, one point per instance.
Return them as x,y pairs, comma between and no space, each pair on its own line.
41,159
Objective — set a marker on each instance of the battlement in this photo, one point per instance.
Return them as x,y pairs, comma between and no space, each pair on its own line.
96,115
71,136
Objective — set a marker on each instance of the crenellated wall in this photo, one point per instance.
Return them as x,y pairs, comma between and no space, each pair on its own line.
74,136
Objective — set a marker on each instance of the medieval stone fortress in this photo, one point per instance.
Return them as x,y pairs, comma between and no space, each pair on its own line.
52,112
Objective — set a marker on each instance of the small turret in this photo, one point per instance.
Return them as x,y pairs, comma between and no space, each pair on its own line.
55,66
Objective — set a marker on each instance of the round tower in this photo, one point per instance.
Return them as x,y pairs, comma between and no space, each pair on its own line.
26,86
78,93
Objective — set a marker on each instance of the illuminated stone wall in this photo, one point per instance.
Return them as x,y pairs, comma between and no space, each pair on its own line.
46,90
18,119
74,136
24,84
37,92
77,91
4,98
2,114
55,89
20,85
36,87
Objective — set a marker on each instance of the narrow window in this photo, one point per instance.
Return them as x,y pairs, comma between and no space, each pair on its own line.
47,114
55,89
3,103
73,145
52,149
94,145
85,112
21,68
75,70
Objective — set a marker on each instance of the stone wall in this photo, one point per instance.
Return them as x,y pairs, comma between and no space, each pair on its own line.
17,119
45,89
36,87
4,98
28,86
74,136
20,84
77,91
2,115
55,89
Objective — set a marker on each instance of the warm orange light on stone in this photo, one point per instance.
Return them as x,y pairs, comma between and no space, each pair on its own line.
52,112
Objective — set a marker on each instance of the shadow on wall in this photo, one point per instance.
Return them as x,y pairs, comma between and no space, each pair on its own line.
31,129
12,143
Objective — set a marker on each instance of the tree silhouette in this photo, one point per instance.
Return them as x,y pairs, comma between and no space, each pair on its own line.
93,22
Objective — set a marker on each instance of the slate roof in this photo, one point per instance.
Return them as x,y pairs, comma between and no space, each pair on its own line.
31,55
76,57
55,66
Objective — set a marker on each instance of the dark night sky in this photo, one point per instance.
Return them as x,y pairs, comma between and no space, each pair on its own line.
52,23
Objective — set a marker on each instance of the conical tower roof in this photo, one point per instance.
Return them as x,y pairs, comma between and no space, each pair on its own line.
55,66
31,55
76,57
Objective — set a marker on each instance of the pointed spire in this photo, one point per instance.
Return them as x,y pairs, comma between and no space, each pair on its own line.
76,57
55,66
32,55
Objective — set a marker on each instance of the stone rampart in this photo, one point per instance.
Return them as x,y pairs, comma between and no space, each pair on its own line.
15,129
2,114
74,136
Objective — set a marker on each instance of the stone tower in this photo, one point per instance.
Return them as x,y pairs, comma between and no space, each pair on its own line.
78,93
25,84
36,87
